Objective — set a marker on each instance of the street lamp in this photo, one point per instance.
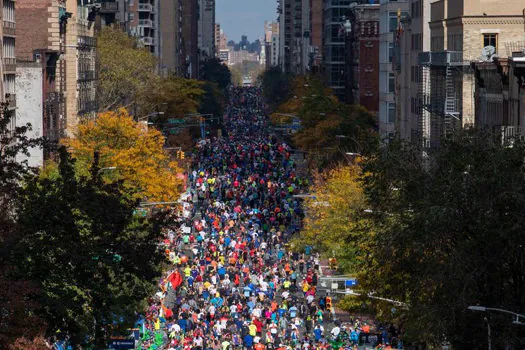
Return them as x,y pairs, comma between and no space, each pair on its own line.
485,309
106,168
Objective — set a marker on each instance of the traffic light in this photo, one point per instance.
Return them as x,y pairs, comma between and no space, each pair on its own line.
329,303
179,156
182,155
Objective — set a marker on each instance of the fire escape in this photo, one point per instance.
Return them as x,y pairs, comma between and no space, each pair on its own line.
440,94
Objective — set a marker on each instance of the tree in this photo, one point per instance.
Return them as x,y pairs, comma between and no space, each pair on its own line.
95,261
329,128
172,95
130,152
336,223
449,235
126,70
276,86
16,307
213,70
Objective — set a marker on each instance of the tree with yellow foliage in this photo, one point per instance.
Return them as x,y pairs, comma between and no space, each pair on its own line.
128,152
336,223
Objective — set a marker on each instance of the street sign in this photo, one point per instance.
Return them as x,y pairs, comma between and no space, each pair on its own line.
122,344
176,121
350,283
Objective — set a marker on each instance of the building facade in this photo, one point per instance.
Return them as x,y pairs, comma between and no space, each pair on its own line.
392,13
411,120
462,33
206,39
345,49
294,31
171,58
7,92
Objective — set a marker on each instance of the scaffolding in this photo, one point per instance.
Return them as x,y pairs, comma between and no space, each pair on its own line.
440,94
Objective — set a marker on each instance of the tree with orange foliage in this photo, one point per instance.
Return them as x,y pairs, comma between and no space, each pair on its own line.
129,152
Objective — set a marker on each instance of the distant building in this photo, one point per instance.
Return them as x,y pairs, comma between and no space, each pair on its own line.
206,28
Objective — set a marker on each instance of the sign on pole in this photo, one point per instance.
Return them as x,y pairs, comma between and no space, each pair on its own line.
122,344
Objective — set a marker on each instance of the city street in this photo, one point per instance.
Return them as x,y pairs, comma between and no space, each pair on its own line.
233,284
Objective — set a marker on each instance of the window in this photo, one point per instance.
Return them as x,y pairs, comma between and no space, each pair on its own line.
490,39
391,112
390,52
393,22
391,82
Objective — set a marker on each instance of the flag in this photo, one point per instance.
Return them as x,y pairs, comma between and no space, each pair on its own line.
175,279
157,324
167,312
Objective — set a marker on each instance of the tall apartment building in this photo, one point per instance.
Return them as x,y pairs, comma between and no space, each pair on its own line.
271,43
217,39
8,29
316,34
412,40
143,22
343,51
171,58
392,13
60,35
294,31
462,32
206,31
190,34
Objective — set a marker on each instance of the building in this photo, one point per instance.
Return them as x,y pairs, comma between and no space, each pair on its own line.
47,31
499,95
238,57
271,44
7,92
462,33
316,34
80,73
294,31
29,91
171,59
206,31
143,22
217,39
413,39
274,50
190,34
391,13
343,48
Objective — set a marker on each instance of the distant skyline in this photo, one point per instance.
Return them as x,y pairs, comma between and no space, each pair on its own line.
244,17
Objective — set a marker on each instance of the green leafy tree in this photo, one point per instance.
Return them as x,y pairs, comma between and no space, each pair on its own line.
17,319
276,86
449,235
126,71
94,260
213,70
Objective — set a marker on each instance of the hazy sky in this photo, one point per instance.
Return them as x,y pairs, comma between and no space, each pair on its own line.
244,17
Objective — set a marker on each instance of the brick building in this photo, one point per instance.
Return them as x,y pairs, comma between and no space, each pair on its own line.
57,33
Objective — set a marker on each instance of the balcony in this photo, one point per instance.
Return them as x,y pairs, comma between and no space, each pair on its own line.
9,65
87,75
441,58
9,28
148,41
146,23
10,99
145,8
108,7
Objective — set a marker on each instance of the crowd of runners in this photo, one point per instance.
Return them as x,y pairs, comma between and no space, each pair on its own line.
233,282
